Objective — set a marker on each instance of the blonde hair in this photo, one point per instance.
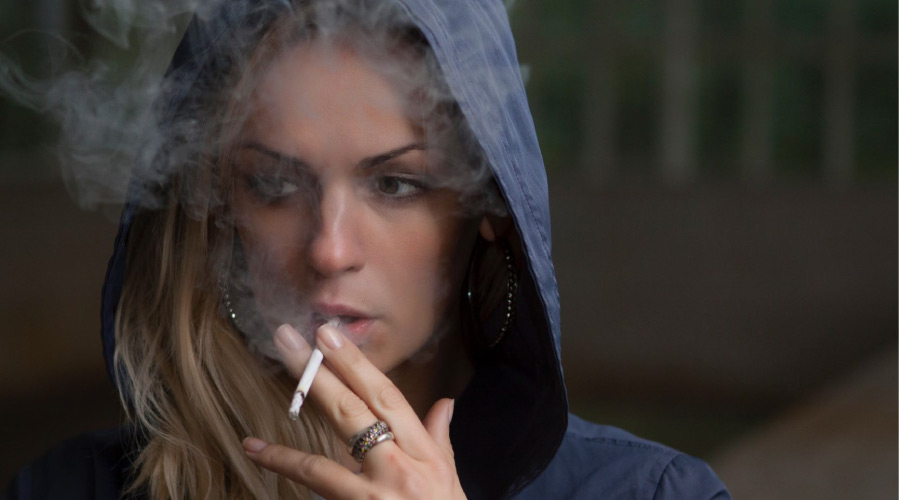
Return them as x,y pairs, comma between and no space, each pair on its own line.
192,387
189,383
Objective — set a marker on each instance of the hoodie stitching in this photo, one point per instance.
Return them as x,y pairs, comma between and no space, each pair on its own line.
625,443
659,481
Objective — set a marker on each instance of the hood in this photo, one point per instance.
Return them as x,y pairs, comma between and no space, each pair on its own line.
510,420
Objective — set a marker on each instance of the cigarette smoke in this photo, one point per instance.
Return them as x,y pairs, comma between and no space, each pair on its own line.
147,135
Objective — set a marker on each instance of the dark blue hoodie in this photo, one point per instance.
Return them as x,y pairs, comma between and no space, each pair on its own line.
511,431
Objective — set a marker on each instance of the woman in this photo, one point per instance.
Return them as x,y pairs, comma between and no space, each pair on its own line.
373,163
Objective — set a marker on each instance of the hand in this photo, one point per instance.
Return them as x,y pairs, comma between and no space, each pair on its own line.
417,463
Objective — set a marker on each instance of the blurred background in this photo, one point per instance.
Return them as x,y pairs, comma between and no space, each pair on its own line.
724,199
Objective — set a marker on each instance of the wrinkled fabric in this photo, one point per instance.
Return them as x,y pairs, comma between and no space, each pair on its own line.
511,431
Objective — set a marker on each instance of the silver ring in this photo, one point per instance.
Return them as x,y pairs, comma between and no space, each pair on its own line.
364,441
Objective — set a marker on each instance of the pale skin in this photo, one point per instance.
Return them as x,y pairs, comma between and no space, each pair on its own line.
373,242
353,393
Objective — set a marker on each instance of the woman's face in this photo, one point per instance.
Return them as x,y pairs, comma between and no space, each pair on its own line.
337,208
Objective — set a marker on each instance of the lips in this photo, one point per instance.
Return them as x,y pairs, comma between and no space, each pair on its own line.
355,323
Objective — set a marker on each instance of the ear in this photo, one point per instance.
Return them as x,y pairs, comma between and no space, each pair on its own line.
486,229
493,227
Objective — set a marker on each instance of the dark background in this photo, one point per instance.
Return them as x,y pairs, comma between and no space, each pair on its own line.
724,199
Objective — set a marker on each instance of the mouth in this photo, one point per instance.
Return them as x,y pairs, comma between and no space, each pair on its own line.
346,319
354,323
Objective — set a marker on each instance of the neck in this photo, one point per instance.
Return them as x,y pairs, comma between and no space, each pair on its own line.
441,370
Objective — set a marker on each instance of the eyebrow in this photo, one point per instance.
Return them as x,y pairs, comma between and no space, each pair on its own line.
297,162
376,160
365,163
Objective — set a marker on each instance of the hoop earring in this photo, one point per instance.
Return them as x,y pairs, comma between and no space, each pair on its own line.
226,299
512,285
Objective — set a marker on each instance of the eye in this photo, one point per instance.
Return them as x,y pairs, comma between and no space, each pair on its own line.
270,188
398,187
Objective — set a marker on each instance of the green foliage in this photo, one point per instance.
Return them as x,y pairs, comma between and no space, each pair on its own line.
876,123
806,17
878,18
798,120
718,124
559,41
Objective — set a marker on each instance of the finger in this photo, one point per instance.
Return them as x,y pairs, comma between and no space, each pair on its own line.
347,412
437,423
377,391
294,349
326,477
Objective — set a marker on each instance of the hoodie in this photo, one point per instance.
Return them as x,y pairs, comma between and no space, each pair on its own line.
512,434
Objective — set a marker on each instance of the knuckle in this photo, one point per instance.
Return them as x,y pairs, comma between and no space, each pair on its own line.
393,460
350,406
311,465
414,486
353,357
390,398
446,471
275,457
406,479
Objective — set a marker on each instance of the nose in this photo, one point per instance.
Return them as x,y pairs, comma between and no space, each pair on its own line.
335,245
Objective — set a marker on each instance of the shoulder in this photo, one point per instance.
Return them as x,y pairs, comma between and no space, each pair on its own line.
90,466
597,461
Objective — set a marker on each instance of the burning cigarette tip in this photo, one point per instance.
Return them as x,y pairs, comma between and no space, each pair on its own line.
306,380
296,403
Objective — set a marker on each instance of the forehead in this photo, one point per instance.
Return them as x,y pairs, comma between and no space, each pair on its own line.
317,91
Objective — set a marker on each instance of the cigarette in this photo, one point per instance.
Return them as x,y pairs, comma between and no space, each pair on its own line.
306,380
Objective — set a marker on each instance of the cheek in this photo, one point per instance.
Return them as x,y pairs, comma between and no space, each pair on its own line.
425,261
272,241
421,265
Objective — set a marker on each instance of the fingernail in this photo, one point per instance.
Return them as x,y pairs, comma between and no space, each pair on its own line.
289,337
254,445
330,336
450,411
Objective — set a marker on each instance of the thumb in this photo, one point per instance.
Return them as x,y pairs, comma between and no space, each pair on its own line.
437,423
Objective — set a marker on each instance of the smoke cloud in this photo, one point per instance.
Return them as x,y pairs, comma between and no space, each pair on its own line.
141,133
